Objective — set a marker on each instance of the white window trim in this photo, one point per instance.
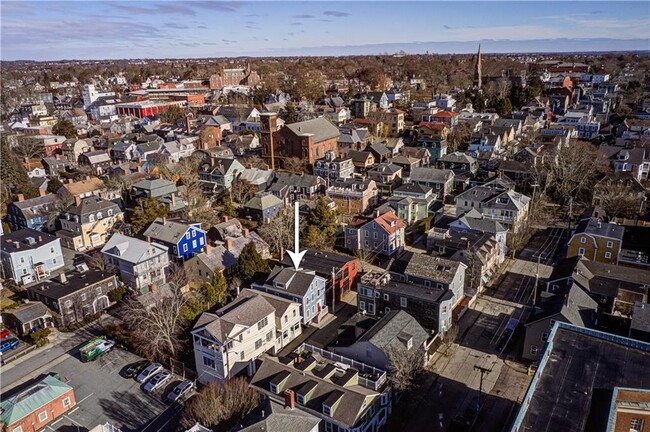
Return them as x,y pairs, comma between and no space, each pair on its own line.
66,402
40,416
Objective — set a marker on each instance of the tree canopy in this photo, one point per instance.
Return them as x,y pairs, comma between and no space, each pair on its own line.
146,212
251,265
65,128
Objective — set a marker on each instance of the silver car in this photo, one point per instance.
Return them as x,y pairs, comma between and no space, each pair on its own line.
148,372
181,389
157,381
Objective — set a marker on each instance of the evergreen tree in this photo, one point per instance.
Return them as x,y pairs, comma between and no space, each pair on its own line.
144,214
214,292
54,184
13,176
251,265
325,222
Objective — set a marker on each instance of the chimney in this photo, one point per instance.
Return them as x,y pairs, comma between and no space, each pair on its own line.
148,239
207,249
281,253
289,399
77,200
228,244
17,244
102,195
42,192
57,157
188,125
246,233
153,288
21,197
62,278
70,181
225,218
174,200
164,221
40,238
88,177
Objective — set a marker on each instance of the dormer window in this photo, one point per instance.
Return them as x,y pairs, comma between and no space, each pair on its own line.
327,410
91,218
274,388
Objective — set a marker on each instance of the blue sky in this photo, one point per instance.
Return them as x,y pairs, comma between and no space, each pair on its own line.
128,29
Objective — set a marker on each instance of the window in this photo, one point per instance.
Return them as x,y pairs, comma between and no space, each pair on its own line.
581,251
207,361
386,297
377,294
269,336
68,303
83,296
444,309
583,240
386,310
402,301
110,212
201,242
184,248
263,323
328,427
193,233
66,402
258,344
193,244
301,399
241,355
98,290
99,215
533,349
327,410
610,244
636,425
42,416
51,250
274,388
91,218
187,235
544,337
20,429
362,305
608,254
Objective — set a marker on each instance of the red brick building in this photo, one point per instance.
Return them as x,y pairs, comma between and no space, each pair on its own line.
234,77
307,140
32,408
147,108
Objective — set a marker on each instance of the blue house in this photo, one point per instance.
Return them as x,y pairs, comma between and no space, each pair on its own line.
32,213
263,207
436,146
300,286
182,237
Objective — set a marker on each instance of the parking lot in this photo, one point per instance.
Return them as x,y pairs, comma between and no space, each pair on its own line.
104,395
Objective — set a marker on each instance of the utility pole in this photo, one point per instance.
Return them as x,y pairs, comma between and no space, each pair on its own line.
536,282
482,370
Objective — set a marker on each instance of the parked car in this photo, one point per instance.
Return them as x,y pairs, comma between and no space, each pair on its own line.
134,369
8,344
181,389
148,372
157,381
4,334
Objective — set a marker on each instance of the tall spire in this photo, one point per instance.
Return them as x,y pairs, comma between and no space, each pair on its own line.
478,78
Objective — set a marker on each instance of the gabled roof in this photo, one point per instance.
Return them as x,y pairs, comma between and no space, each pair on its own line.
393,331
132,250
169,230
574,305
84,186
426,267
33,206
429,174
595,227
294,281
271,416
320,127
263,202
246,311
389,222
29,239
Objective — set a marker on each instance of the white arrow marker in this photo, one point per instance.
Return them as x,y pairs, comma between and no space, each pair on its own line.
296,255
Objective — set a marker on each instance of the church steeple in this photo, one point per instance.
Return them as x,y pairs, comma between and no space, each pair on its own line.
478,78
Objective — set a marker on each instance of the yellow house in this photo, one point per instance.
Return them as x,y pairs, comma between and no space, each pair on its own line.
88,223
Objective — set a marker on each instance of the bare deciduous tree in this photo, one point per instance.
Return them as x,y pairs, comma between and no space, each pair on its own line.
242,190
253,161
219,406
574,171
405,368
279,233
295,165
28,150
617,200
156,331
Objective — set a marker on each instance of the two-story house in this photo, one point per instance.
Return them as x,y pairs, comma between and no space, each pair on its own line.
75,295
495,200
426,287
164,191
29,255
88,222
301,286
98,160
387,176
263,207
440,180
339,271
353,196
333,167
347,395
32,213
182,237
220,175
292,187
229,341
381,235
596,240
473,221
410,202
140,264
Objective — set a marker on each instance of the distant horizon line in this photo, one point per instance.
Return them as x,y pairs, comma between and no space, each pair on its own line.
393,48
